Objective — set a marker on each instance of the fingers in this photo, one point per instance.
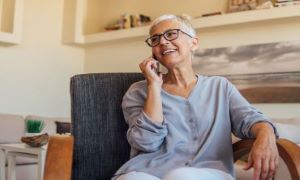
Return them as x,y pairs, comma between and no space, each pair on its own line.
264,155
268,168
273,167
148,68
160,75
265,168
144,63
257,169
148,64
249,164
155,64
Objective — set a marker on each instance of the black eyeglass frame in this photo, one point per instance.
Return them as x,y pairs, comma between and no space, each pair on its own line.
164,35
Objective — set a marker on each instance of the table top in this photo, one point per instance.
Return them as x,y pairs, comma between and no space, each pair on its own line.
22,148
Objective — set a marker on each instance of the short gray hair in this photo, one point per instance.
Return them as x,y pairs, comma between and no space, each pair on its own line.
184,23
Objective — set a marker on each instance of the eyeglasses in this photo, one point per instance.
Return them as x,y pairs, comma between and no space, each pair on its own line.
169,35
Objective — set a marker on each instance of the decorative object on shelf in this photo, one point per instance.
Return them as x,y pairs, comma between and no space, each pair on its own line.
36,141
127,21
264,4
186,16
241,5
212,14
145,20
283,3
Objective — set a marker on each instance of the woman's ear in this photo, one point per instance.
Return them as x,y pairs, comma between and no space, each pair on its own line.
194,44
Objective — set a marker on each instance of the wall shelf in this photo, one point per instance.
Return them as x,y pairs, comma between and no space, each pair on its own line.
13,37
198,23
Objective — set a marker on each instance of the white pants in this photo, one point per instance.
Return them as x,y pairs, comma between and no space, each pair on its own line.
185,173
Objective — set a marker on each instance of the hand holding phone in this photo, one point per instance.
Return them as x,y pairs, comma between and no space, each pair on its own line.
150,68
157,69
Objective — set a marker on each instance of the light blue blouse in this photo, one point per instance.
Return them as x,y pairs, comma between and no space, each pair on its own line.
196,131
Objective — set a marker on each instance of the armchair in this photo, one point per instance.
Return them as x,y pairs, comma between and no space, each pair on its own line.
99,129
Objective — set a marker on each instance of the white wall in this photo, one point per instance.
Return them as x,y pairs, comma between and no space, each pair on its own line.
34,76
125,55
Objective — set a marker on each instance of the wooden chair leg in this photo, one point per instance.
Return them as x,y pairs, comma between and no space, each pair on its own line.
58,164
288,151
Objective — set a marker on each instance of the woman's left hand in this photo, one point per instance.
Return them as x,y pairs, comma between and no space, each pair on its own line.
263,156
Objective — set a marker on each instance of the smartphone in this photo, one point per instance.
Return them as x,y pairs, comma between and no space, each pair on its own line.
158,69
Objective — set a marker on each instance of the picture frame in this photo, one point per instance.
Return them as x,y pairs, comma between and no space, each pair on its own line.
263,73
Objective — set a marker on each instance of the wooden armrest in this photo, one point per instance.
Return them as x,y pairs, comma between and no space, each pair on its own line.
59,158
288,151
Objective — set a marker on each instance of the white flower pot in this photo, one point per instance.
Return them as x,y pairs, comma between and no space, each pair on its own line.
32,134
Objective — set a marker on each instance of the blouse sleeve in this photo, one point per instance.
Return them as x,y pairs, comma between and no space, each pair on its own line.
243,115
143,134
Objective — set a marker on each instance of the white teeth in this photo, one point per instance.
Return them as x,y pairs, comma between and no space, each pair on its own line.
168,51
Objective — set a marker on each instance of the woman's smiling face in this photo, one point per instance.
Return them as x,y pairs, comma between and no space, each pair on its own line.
172,53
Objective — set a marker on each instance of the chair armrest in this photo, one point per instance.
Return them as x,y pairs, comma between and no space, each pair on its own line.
288,151
59,158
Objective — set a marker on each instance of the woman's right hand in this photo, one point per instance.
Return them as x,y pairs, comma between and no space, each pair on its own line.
153,102
148,68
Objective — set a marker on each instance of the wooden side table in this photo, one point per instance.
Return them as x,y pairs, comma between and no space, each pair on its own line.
11,151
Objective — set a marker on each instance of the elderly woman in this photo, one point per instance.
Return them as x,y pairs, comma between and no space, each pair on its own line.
180,123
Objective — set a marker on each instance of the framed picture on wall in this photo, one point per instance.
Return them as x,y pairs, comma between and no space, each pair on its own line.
264,73
241,5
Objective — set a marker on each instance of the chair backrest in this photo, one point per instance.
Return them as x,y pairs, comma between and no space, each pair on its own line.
98,125
58,164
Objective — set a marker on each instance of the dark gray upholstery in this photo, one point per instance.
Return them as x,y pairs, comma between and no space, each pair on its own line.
98,124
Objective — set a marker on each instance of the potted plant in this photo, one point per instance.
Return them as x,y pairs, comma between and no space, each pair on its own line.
34,127
33,136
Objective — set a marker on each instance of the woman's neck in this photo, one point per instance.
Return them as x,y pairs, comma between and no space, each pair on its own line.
182,77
